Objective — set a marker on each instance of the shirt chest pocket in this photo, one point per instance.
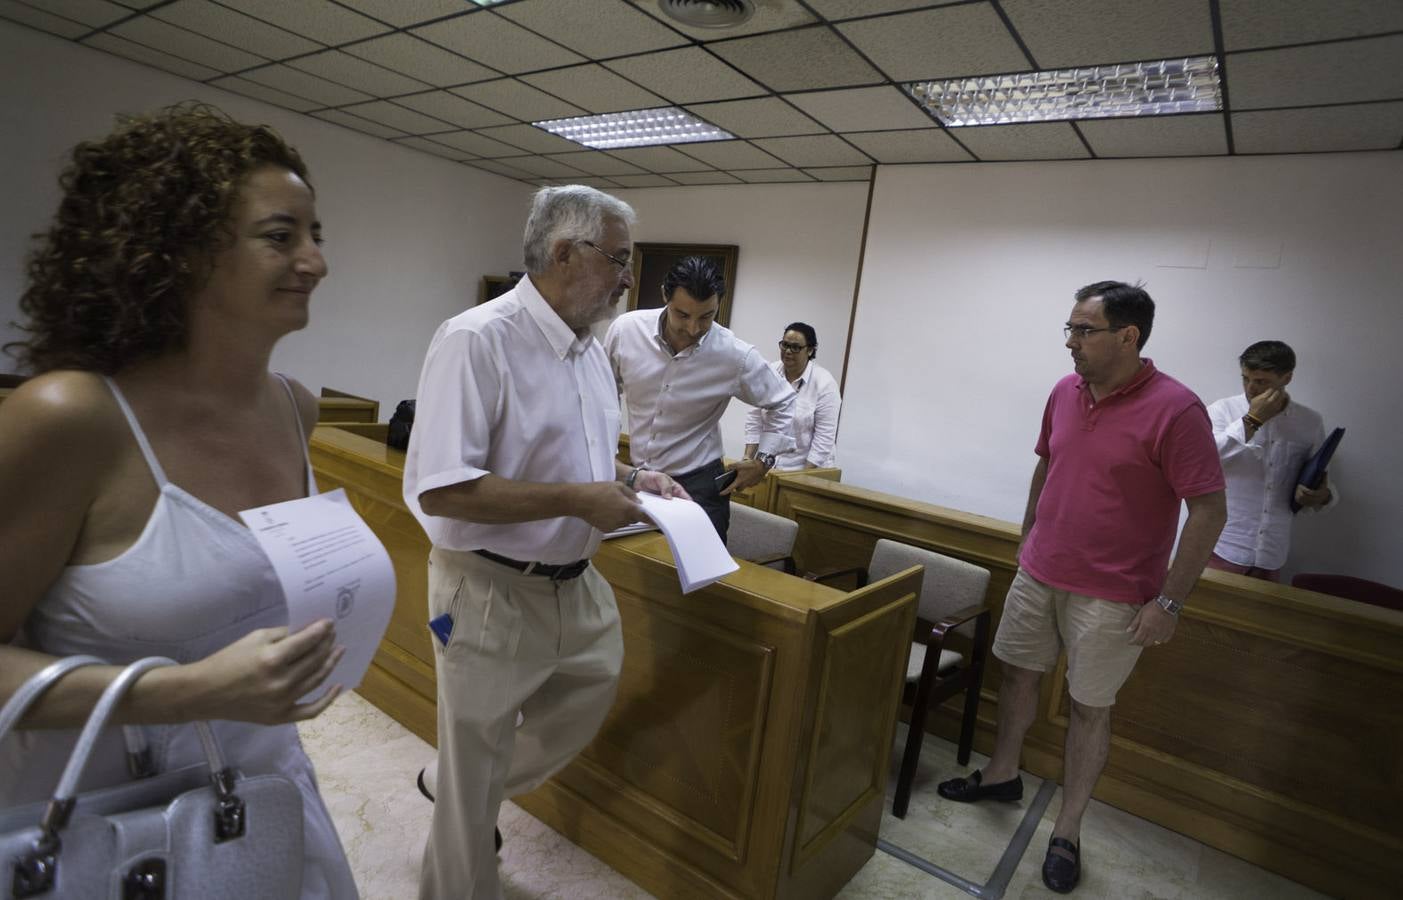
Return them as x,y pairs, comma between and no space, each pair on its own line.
1285,459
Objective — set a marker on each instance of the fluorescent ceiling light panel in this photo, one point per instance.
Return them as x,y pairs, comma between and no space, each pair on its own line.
635,128
1157,88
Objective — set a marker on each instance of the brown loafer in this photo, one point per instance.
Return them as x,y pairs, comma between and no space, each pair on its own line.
971,790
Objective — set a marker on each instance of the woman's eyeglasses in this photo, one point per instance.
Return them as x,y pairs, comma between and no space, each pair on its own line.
792,348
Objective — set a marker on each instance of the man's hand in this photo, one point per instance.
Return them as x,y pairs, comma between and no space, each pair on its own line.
1313,499
660,484
1151,626
1268,403
607,505
749,472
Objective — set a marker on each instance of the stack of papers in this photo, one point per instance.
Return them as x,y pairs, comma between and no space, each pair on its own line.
696,547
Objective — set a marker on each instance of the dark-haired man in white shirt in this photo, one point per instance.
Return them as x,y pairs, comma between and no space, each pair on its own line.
678,370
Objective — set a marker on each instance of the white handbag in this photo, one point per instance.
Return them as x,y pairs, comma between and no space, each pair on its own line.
202,831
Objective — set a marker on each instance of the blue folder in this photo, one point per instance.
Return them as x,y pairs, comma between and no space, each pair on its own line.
1313,472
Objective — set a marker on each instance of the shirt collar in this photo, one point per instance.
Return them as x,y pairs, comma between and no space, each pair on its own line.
803,378
562,337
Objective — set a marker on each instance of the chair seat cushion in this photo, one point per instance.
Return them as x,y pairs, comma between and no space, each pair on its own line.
948,660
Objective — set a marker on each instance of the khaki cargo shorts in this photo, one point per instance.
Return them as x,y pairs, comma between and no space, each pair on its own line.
1040,621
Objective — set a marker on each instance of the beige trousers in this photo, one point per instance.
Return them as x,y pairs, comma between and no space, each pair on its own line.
521,644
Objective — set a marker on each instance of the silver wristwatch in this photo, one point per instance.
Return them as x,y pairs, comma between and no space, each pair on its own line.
766,459
1170,606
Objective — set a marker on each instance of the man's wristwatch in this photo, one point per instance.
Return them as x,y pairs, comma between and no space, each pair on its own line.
632,478
1170,606
766,459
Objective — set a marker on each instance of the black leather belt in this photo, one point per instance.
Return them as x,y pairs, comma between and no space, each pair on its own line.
560,572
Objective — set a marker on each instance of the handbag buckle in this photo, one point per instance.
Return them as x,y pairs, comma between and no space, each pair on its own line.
146,880
35,871
229,818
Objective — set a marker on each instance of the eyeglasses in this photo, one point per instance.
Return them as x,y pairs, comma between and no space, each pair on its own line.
792,348
621,263
1081,332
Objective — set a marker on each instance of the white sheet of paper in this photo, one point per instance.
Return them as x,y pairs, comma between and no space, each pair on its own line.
696,547
331,566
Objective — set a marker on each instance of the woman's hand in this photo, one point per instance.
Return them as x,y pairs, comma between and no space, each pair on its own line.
260,677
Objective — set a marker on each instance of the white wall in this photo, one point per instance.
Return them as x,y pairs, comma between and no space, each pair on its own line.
799,247
969,276
408,235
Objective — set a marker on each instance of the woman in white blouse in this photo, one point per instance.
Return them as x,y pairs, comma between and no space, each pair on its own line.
815,428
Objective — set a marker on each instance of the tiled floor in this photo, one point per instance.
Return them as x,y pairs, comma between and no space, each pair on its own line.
367,762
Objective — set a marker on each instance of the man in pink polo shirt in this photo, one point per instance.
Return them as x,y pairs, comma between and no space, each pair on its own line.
1122,445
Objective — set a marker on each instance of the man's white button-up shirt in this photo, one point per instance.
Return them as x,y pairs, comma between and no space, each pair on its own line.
509,389
675,401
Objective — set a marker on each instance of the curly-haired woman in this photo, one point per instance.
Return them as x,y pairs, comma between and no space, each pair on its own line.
185,245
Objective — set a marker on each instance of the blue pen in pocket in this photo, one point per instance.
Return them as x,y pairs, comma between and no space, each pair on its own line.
442,627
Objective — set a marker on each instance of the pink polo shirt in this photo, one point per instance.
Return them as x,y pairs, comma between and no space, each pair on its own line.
1117,471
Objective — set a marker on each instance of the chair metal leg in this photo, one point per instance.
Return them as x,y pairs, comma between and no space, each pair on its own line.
971,714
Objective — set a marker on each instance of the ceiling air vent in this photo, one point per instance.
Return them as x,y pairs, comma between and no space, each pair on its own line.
708,13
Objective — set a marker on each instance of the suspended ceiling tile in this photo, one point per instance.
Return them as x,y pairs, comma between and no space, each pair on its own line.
1083,32
529,137
1200,135
544,166
766,176
833,10
420,59
1375,126
262,92
354,72
301,84
94,13
686,75
638,181
596,163
224,24
397,117
495,42
1251,23
798,60
921,145
704,178
815,150
515,98
938,43
158,35
24,14
768,17
498,168
596,181
842,173
1350,71
731,155
428,145
403,13
762,117
595,89
341,117
155,58
138,4
320,20
454,109
659,159
863,109
476,144
598,29
1037,140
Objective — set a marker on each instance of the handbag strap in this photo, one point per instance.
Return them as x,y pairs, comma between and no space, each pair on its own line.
36,685
61,806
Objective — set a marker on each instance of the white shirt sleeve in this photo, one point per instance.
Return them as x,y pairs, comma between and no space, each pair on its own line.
774,398
457,406
826,407
1230,434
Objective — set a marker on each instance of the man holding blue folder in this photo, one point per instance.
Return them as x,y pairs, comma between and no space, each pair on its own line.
1264,439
